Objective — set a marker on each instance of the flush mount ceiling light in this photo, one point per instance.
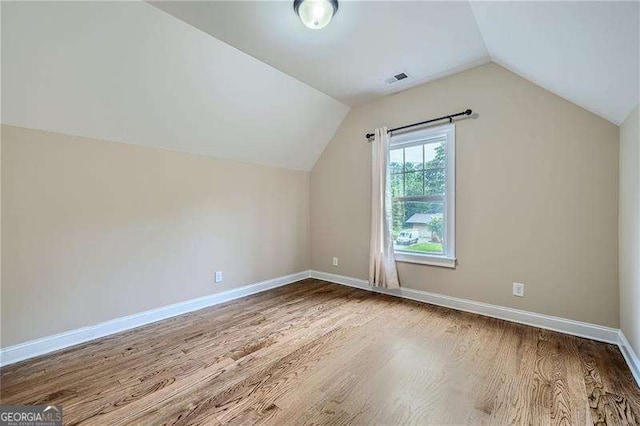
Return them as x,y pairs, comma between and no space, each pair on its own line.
315,14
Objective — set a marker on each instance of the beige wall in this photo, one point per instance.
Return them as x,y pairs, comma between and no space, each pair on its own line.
94,230
630,228
537,196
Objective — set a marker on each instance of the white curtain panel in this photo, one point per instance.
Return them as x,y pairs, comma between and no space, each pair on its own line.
382,264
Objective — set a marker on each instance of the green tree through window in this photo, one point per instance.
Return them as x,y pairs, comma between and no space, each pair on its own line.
418,180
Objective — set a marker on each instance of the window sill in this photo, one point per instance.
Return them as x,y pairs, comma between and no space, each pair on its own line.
423,259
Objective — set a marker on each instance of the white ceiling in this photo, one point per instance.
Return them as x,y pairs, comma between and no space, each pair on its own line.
364,44
586,52
128,72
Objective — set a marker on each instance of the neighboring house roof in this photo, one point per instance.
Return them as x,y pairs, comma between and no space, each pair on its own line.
423,218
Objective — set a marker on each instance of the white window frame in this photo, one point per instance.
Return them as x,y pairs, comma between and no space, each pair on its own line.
419,137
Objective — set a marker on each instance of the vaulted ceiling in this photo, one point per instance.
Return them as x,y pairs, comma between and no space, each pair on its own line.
247,81
128,72
586,52
366,42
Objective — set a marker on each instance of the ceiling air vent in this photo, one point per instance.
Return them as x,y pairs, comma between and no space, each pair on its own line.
396,78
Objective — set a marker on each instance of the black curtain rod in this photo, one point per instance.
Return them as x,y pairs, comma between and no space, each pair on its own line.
446,117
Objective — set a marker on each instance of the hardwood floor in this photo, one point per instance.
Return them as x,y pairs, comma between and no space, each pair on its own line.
314,352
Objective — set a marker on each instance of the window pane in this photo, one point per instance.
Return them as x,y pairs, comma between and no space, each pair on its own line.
413,182
434,155
413,158
397,185
418,226
434,173
396,162
434,180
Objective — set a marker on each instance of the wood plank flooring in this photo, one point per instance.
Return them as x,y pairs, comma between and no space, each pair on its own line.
320,353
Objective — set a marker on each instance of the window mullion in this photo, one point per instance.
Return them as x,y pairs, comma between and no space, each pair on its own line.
404,176
423,198
423,168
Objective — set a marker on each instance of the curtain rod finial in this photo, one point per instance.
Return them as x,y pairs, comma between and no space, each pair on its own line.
468,112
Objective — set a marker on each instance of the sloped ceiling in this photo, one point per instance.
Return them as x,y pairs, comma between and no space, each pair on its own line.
128,72
133,73
584,51
366,42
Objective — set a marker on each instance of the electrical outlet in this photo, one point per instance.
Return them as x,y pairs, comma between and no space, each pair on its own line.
335,261
218,277
518,289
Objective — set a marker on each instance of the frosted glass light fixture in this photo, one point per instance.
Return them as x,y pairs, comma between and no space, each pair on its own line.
315,14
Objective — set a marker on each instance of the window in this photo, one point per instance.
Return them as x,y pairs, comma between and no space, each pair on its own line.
422,183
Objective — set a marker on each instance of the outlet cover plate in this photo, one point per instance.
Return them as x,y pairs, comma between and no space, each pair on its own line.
518,289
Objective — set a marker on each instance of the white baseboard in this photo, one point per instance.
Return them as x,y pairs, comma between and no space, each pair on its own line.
630,356
562,325
33,348
549,322
64,340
